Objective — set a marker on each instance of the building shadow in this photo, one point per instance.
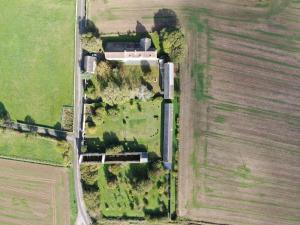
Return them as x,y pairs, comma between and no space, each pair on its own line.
141,29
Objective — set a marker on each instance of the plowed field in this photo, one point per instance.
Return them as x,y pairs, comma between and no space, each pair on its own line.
33,194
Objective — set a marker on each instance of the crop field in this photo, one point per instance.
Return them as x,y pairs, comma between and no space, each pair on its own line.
240,123
36,58
137,123
33,194
240,115
20,146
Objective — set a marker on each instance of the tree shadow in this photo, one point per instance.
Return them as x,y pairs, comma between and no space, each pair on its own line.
29,120
145,67
137,173
165,18
94,145
4,115
110,139
157,212
57,126
133,146
87,26
30,123
60,134
146,83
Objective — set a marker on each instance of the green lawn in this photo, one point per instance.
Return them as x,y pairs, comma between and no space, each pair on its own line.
18,145
135,192
36,58
138,121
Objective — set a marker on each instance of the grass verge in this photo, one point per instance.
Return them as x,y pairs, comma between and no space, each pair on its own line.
31,147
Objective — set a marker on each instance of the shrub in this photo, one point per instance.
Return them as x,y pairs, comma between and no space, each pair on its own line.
155,40
90,43
115,150
173,43
104,70
89,174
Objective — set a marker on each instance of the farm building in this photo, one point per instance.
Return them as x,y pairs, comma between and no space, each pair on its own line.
168,135
131,51
90,63
168,80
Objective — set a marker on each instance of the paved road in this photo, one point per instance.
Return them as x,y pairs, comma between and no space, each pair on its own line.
82,217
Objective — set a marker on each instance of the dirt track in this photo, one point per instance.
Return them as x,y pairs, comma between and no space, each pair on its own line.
33,194
114,16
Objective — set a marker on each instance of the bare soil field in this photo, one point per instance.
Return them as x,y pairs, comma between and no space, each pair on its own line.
113,16
240,147
33,194
239,159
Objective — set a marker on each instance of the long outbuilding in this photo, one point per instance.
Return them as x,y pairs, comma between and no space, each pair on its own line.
168,135
168,81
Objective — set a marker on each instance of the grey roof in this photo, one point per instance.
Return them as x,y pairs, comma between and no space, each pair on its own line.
90,63
168,134
130,50
168,80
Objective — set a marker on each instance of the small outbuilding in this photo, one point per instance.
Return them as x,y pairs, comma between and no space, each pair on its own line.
168,135
168,81
90,64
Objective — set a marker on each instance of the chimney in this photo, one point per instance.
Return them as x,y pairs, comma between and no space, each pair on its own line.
145,43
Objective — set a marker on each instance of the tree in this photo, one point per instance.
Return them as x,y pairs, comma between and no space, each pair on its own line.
115,149
90,43
144,93
173,43
89,174
104,70
114,95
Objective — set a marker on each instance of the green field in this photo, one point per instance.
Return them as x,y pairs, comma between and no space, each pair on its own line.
137,122
36,58
18,145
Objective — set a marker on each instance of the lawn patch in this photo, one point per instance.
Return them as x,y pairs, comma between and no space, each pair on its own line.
135,124
36,58
134,190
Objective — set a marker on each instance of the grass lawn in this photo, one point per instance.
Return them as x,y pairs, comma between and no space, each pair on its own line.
138,121
36,58
127,197
18,145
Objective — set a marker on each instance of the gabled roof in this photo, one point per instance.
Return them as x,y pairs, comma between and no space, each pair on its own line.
90,63
168,135
130,50
168,80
